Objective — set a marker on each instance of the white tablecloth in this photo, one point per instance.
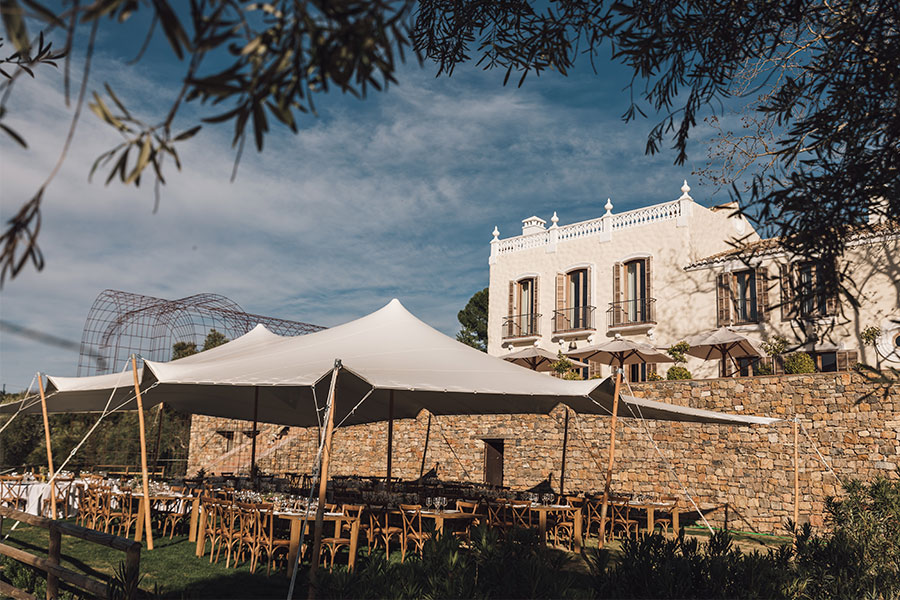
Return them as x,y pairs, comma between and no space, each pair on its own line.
34,493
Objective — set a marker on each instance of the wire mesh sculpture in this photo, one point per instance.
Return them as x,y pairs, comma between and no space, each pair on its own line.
122,323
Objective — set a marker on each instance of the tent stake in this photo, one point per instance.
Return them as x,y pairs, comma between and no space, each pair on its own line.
796,473
390,440
612,451
253,478
323,482
49,450
562,470
144,476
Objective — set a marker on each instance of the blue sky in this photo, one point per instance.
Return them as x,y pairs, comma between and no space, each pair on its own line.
392,196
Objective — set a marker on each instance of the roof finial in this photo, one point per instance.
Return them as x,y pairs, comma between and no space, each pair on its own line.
496,232
685,188
555,220
609,206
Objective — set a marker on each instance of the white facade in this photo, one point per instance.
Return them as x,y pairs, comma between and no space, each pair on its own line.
662,273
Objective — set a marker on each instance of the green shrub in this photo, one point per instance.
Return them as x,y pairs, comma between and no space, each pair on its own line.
859,557
799,362
679,351
654,376
762,368
678,372
519,566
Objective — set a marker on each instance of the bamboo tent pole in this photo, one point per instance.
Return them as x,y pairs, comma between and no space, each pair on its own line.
796,472
49,449
144,477
323,482
253,477
158,435
612,451
425,450
390,439
562,470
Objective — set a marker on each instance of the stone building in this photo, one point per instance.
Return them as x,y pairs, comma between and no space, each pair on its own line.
657,275
662,273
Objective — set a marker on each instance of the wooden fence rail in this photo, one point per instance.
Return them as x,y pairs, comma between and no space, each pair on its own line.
51,564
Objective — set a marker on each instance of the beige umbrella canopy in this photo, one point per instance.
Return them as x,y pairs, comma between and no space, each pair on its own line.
621,352
538,359
722,344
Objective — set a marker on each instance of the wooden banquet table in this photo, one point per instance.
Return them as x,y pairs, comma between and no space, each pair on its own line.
650,507
441,516
139,524
543,509
297,520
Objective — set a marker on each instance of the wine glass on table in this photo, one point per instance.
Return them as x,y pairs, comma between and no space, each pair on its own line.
428,502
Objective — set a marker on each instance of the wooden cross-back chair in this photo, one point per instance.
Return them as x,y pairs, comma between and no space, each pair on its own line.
664,517
173,511
564,528
342,532
269,544
12,492
519,514
496,512
64,491
621,516
593,507
382,528
412,529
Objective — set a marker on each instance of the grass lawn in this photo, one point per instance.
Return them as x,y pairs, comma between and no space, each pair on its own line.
173,570
170,567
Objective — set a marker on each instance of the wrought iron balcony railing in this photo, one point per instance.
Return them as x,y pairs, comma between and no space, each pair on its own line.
641,311
515,326
577,318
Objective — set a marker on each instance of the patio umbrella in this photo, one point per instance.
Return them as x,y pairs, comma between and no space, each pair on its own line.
722,344
619,352
537,359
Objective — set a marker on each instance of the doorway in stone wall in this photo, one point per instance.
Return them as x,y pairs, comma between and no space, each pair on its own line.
493,462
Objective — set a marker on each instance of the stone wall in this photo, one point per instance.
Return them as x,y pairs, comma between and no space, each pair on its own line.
854,423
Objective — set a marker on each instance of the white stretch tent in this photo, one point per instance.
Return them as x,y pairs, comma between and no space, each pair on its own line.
389,350
392,366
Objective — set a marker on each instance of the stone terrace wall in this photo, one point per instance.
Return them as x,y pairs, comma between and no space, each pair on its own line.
854,423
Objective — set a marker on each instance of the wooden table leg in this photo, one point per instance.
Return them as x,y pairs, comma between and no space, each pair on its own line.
650,519
439,524
579,542
675,525
201,533
192,526
542,524
294,548
354,542
139,526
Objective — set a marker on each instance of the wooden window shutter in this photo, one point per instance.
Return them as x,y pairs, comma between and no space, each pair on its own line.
831,299
560,291
723,300
762,294
648,276
560,322
536,295
512,298
847,359
617,293
587,286
787,293
651,369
